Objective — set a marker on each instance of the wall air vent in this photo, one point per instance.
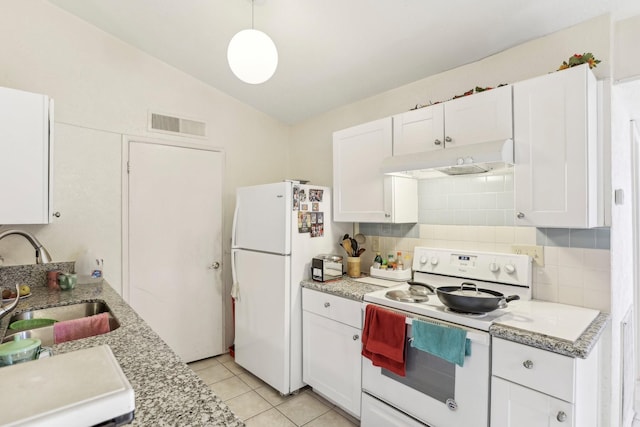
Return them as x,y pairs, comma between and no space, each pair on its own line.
176,125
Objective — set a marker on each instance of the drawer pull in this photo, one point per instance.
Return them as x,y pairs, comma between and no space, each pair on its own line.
356,337
562,417
527,364
327,305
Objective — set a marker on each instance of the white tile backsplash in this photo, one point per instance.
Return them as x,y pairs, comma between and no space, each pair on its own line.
575,276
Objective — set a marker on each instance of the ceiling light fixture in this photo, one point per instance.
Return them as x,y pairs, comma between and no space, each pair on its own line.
252,55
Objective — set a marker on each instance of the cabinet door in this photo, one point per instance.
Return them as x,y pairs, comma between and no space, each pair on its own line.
482,117
401,199
419,130
358,152
331,360
24,157
555,150
513,405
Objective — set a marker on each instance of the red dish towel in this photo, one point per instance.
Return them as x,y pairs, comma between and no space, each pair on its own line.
84,327
383,339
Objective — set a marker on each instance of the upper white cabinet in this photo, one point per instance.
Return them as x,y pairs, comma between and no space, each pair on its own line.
482,117
361,193
557,170
26,147
419,130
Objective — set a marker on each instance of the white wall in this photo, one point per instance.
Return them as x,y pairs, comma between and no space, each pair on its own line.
103,89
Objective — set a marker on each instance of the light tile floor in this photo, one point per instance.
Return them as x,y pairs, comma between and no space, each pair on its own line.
258,405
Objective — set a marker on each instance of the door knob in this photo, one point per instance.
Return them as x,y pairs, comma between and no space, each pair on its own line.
214,266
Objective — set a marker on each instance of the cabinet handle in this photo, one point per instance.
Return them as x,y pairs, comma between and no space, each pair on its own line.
356,337
447,139
387,215
56,214
327,305
562,417
527,364
437,142
520,215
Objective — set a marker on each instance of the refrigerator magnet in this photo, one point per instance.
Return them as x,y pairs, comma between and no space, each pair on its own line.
315,206
317,230
296,197
315,195
304,222
304,207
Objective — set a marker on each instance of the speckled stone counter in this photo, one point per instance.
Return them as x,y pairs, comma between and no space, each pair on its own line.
344,287
580,348
349,288
167,391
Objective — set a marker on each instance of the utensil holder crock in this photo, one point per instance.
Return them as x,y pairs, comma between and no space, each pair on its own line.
353,266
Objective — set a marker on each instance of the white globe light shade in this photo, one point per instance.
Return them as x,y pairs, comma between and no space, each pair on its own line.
252,56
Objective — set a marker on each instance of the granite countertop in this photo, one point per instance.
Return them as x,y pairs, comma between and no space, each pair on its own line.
349,288
344,287
167,391
579,348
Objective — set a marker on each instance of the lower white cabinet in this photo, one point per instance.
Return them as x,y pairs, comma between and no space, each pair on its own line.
517,406
531,387
331,345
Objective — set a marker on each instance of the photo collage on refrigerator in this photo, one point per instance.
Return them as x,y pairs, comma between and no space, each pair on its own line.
309,221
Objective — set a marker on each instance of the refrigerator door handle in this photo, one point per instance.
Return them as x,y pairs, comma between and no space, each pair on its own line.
234,226
235,289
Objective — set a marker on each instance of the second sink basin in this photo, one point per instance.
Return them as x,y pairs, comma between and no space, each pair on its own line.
59,313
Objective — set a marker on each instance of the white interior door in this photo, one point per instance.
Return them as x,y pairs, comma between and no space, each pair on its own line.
175,252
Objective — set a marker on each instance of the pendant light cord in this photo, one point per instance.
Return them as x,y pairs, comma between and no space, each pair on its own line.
252,3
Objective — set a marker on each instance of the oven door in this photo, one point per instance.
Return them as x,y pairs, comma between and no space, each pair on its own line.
434,391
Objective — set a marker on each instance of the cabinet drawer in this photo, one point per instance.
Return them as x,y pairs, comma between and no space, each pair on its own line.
333,307
540,370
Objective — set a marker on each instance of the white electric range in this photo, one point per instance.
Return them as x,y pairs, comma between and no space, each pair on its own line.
434,391
509,274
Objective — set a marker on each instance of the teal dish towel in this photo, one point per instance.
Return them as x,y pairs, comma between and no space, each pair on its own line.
450,344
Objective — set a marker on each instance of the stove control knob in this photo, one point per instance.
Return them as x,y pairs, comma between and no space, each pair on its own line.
423,260
494,268
434,260
510,268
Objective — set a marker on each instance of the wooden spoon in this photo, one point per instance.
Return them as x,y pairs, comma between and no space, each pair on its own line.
346,244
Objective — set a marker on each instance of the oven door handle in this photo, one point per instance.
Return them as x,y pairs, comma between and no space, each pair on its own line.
473,335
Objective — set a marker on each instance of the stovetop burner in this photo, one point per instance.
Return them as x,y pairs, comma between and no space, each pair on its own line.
464,313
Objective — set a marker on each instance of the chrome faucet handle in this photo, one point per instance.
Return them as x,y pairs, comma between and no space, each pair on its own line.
6,310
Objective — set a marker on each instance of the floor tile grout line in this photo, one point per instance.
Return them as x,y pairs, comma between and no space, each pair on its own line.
306,390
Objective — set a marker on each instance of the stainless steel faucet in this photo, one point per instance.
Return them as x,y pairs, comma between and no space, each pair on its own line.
42,256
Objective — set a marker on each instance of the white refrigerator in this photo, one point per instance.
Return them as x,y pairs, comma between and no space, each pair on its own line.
277,229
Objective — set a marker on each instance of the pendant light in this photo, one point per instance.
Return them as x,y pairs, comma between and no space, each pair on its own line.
252,55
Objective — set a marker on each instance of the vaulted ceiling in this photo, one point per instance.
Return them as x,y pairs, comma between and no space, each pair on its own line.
333,52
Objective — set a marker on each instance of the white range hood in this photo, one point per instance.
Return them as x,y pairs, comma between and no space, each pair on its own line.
462,160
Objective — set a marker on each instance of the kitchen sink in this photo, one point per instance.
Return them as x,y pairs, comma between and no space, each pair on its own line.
59,313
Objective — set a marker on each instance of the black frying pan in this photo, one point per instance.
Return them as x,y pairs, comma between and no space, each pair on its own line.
469,298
